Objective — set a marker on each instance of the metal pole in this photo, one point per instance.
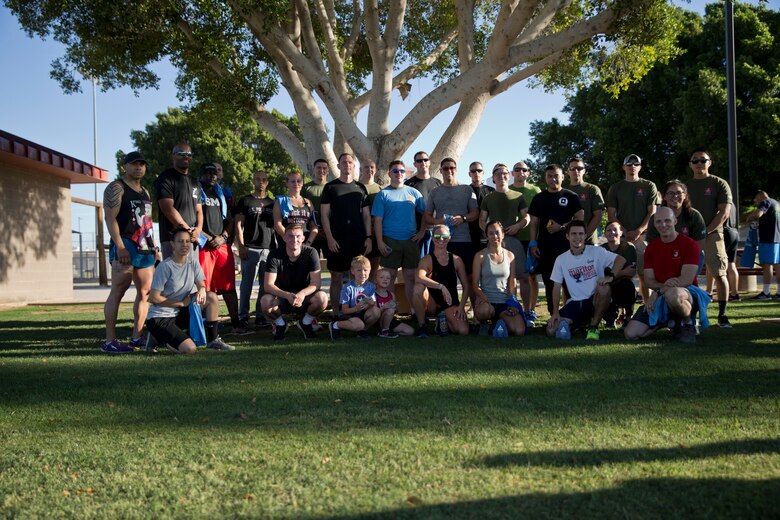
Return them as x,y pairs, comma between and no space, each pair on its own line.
101,258
732,105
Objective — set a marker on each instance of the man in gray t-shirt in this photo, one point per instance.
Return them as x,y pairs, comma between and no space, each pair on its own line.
453,205
175,281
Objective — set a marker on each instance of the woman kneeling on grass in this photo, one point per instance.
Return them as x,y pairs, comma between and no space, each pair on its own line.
436,286
493,283
172,290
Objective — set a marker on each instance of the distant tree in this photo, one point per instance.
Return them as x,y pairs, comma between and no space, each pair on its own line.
681,105
346,56
236,142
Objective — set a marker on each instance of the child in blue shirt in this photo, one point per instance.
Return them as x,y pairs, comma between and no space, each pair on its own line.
357,303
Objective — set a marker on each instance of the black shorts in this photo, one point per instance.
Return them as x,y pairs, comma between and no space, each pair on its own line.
169,330
348,249
466,252
579,312
731,240
285,307
438,297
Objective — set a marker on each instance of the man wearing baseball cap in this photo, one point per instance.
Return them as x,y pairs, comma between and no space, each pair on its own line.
128,208
632,202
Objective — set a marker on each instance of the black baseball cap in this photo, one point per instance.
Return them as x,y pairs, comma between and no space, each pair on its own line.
135,156
208,168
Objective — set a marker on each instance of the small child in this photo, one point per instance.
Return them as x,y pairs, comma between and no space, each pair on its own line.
385,300
358,309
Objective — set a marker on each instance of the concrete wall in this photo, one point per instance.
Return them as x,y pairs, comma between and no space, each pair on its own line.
35,236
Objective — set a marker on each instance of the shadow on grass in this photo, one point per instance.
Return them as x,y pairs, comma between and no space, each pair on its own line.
592,458
645,498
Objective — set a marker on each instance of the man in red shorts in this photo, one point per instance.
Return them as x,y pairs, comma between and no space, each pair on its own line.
215,255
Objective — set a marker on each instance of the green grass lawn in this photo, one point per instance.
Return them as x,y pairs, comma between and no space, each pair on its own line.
437,428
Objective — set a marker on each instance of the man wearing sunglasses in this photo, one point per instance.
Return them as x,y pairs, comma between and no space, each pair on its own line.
178,198
424,183
711,196
529,283
395,212
453,205
590,197
632,202
477,173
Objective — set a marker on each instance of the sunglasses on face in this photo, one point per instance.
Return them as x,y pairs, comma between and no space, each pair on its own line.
398,170
675,193
426,159
476,170
699,161
441,237
184,154
448,168
522,169
576,168
633,163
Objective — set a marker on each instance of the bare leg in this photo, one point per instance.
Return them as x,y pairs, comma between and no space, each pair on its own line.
142,278
120,282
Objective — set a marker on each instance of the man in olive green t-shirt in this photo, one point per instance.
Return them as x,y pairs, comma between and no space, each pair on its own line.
590,197
711,196
632,202
521,172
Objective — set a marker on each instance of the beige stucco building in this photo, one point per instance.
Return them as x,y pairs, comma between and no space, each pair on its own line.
36,260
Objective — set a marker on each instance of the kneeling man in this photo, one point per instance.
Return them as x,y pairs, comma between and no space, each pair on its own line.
292,285
173,287
587,272
671,265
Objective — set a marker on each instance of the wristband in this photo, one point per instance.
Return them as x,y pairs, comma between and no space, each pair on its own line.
532,243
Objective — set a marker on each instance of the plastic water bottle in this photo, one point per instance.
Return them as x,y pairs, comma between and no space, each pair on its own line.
563,331
441,321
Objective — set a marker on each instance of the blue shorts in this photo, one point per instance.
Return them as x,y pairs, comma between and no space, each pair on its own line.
579,312
137,260
768,254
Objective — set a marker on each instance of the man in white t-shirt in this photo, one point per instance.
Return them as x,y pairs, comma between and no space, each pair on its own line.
587,272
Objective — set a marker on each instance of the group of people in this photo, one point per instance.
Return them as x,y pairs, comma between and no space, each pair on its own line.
441,235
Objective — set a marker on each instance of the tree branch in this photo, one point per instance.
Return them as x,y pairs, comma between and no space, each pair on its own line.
307,30
465,15
524,73
354,34
327,16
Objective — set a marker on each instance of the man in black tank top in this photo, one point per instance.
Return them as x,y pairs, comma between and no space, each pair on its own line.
128,209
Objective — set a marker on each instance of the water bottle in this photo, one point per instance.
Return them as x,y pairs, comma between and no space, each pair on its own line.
441,321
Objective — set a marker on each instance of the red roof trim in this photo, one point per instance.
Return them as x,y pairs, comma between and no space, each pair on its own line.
27,149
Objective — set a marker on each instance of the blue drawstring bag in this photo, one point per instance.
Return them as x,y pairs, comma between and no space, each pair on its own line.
748,258
500,330
531,263
197,330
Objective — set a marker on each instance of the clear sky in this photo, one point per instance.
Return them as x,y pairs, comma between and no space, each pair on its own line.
33,106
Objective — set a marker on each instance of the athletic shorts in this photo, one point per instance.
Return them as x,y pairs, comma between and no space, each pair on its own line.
578,311
438,297
169,330
466,252
285,307
405,253
768,254
137,260
348,249
715,254
642,316
731,238
516,246
219,267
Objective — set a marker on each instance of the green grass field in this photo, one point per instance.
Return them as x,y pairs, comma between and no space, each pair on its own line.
437,428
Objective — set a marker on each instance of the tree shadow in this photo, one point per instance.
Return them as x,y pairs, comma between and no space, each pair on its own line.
652,498
593,458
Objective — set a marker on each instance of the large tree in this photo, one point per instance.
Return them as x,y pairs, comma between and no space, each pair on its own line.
354,54
238,143
682,105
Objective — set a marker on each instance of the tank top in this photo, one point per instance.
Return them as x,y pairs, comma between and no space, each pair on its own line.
135,218
494,278
446,275
381,301
294,214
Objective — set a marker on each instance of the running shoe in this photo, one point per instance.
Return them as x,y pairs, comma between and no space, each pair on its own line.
723,322
687,333
363,334
279,331
593,334
387,334
308,331
422,332
218,344
116,347
762,296
137,343
335,334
